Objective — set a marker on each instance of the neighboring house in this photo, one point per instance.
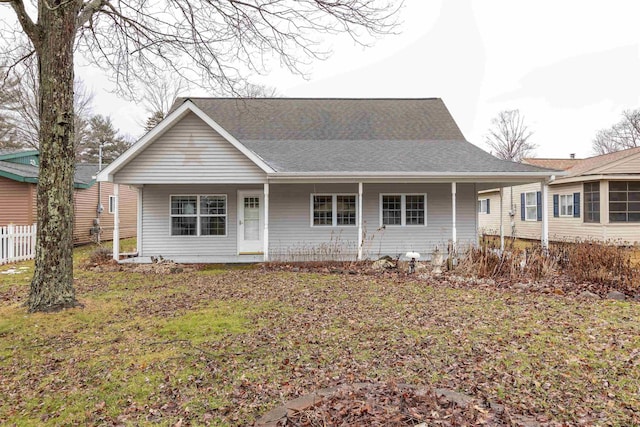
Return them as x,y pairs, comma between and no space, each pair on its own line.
18,191
597,199
233,180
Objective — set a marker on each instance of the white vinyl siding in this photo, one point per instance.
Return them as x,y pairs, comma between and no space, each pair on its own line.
156,223
291,233
191,151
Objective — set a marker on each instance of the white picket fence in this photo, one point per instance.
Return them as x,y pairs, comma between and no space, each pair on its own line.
17,243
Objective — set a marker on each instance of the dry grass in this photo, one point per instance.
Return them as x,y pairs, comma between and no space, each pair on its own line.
222,347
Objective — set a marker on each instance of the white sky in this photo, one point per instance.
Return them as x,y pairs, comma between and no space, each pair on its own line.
570,66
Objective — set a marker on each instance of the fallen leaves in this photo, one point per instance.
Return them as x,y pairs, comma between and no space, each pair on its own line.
159,349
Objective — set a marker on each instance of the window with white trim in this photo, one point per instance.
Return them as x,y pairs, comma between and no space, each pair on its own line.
194,215
333,210
531,206
483,206
403,209
112,204
566,205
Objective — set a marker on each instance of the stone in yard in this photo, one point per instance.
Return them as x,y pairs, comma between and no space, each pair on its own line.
588,295
383,264
619,296
522,286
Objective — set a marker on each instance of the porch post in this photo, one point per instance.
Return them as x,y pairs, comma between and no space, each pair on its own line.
265,236
454,231
544,236
139,224
501,222
360,236
116,222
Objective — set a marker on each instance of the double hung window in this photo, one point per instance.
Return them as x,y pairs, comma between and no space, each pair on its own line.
403,209
204,215
333,210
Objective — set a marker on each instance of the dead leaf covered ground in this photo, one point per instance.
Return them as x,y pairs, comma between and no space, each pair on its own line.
223,346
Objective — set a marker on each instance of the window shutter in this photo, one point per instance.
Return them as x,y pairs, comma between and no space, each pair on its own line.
576,205
522,207
489,205
539,204
556,206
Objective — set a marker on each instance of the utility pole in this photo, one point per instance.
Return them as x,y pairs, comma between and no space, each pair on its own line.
99,208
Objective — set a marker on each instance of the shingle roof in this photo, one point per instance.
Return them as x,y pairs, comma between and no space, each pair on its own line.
381,156
331,119
586,165
559,164
352,135
25,171
83,176
85,173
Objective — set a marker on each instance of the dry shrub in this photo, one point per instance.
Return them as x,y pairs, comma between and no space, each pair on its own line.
488,261
100,255
595,262
606,264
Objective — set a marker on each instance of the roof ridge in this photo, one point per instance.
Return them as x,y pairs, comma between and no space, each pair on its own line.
616,153
310,98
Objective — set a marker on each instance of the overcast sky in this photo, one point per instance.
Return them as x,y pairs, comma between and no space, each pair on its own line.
570,66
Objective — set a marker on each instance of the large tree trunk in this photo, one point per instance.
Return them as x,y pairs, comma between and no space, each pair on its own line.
52,284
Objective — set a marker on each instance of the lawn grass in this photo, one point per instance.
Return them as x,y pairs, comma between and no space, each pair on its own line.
223,346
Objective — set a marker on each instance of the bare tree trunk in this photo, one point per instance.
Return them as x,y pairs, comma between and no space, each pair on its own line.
52,284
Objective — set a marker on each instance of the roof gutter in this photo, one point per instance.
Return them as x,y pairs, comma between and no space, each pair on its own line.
477,177
18,178
32,180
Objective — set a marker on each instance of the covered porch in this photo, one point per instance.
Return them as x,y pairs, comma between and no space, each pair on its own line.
281,225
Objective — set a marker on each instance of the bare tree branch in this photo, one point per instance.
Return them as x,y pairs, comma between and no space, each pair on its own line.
219,43
28,26
509,136
621,136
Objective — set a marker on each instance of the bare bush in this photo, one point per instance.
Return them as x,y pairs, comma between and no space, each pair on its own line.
605,264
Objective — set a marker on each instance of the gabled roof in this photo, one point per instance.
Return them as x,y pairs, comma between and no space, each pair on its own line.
590,164
340,137
331,119
578,168
559,164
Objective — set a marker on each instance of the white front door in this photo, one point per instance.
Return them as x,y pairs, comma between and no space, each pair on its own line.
250,223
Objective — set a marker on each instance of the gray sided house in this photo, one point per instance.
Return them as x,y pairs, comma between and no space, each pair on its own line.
244,180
